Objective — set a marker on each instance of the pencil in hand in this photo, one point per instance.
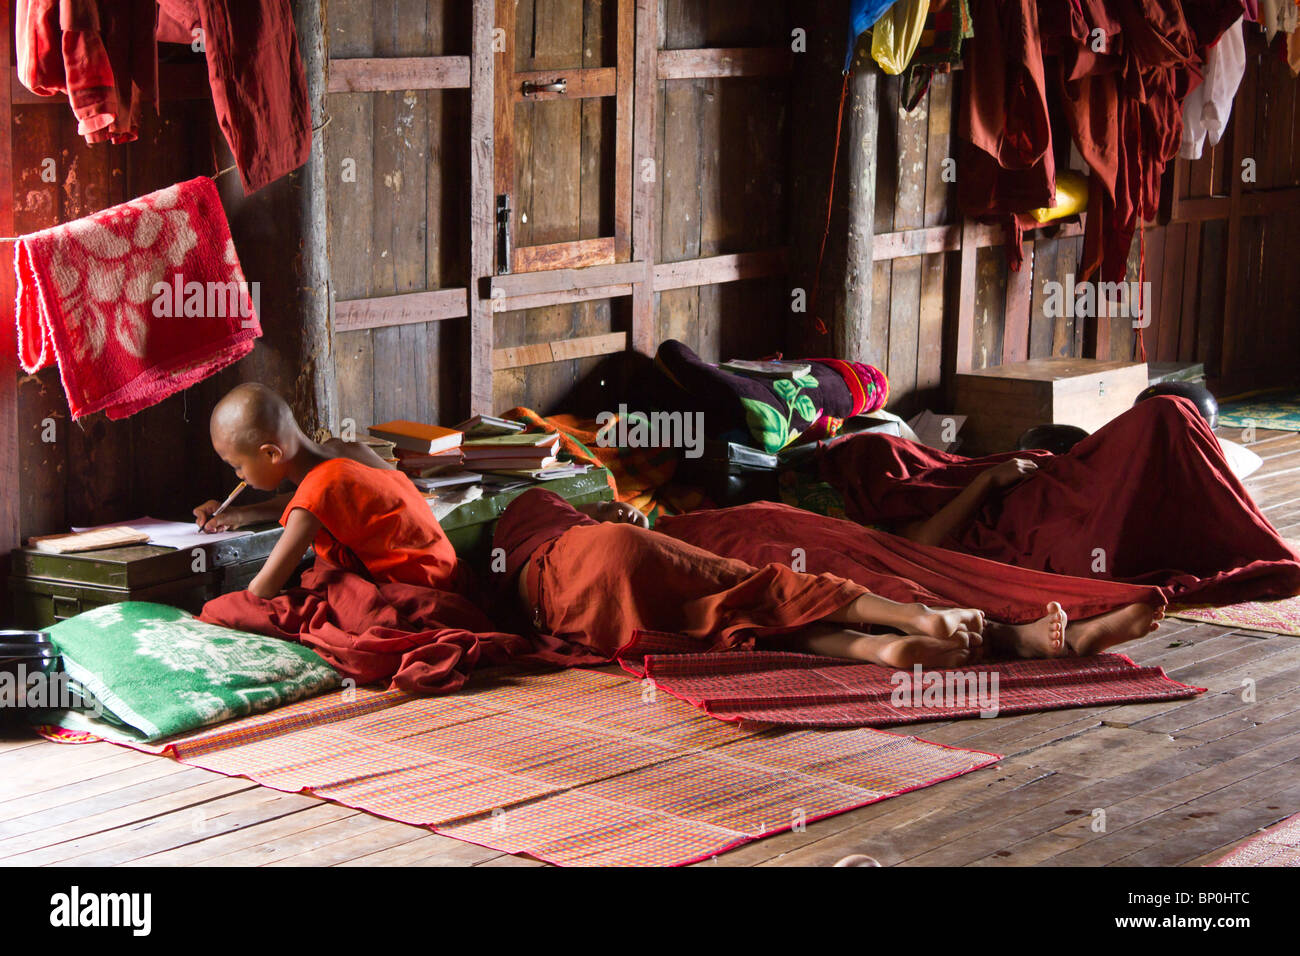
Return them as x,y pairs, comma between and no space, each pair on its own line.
226,504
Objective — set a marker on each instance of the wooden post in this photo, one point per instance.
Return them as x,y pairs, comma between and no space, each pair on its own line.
961,359
1243,136
482,209
314,299
852,329
645,177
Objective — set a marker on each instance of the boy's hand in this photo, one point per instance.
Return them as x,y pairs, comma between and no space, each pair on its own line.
1010,472
618,512
228,520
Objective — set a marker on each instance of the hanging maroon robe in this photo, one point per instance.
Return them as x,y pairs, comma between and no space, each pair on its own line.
1148,499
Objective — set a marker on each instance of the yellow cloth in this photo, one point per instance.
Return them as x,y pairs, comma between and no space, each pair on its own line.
1071,197
897,34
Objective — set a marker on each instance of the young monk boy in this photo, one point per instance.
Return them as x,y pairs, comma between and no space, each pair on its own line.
354,509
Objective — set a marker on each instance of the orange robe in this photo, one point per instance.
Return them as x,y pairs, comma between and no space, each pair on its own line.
375,519
597,584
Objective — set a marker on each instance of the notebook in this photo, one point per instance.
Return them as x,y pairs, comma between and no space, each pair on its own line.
170,534
77,541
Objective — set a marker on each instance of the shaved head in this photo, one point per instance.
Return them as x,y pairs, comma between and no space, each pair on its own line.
251,415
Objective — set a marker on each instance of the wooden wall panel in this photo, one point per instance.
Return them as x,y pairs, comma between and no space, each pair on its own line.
399,222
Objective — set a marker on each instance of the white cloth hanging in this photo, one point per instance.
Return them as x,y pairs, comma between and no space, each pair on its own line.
1275,15
1207,108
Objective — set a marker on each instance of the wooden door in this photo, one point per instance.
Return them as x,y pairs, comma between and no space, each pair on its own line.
563,128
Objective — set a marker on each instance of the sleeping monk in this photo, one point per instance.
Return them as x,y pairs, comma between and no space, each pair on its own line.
1147,499
596,584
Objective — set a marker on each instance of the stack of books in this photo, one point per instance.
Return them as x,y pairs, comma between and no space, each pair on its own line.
421,450
481,444
485,426
511,453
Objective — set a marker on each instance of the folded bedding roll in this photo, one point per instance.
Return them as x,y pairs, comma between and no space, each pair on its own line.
135,302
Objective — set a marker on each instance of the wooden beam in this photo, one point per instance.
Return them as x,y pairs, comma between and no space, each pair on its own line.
503,113
724,62
718,269
933,239
482,206
1243,138
1270,202
562,280
544,300
564,350
390,74
353,315
579,254
1015,322
962,360
645,176
580,84
624,120
853,327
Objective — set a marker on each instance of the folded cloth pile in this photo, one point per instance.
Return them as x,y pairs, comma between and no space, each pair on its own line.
135,302
768,414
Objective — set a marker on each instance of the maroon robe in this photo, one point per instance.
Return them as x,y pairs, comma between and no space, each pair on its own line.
894,567
1150,495
597,584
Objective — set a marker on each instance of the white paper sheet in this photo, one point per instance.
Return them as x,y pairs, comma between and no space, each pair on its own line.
172,534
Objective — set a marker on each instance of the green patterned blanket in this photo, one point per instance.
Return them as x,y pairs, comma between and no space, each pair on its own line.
148,671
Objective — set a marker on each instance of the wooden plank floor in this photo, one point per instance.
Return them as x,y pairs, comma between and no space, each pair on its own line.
1175,783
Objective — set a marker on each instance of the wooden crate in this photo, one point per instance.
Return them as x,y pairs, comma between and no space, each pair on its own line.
1003,401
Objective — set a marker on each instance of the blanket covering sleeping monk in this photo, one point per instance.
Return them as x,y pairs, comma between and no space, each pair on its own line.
711,577
1147,499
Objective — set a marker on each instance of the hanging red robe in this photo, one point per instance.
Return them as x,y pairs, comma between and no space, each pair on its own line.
1148,499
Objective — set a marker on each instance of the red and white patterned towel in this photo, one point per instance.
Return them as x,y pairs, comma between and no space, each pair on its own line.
136,302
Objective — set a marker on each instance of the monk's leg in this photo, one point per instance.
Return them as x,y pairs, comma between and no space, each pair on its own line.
889,650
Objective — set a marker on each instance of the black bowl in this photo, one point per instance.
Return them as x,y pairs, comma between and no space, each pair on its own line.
1058,439
1199,396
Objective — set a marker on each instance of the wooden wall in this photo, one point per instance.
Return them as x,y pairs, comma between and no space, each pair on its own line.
400,222
724,162
721,168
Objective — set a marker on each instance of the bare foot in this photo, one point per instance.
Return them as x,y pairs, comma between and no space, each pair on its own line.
1043,638
905,651
944,624
1097,634
889,650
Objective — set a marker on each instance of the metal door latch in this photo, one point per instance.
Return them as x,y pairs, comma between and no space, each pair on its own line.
503,234
559,86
